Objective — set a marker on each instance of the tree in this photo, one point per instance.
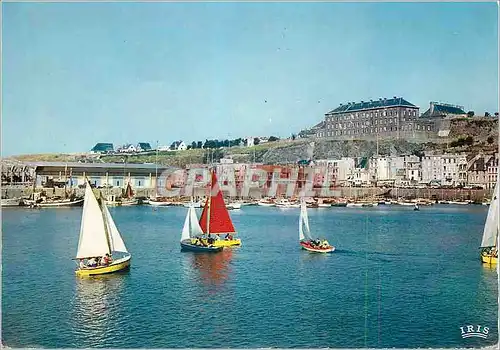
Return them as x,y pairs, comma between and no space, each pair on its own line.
496,114
189,146
199,145
470,114
256,141
486,114
273,138
294,136
193,144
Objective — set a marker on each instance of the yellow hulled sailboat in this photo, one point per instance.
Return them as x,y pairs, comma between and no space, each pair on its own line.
489,243
99,239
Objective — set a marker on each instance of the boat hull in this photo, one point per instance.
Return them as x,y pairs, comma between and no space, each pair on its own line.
117,265
187,246
128,202
309,248
227,242
77,203
11,202
158,204
339,204
489,259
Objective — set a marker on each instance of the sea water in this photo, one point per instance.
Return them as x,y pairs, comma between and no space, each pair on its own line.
398,278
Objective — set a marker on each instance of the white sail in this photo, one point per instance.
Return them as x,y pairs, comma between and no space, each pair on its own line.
195,225
93,241
185,230
490,232
115,239
304,221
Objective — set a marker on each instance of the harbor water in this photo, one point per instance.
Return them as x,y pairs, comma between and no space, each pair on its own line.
399,278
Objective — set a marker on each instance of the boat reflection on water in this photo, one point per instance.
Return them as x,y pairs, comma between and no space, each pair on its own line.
214,268
95,308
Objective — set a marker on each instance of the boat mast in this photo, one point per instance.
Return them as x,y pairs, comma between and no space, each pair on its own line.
106,223
209,203
156,171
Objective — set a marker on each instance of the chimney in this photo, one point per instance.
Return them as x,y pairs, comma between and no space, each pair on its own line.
394,97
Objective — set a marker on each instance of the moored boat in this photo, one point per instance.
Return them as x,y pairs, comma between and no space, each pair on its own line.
233,206
99,239
266,203
306,240
12,202
61,203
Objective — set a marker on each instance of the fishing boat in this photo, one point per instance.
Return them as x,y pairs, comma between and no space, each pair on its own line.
266,202
192,237
215,219
12,202
128,197
489,243
99,237
158,202
305,239
285,203
233,206
61,203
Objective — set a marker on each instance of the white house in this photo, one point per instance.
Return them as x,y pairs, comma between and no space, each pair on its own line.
341,168
178,146
446,168
249,141
413,168
128,149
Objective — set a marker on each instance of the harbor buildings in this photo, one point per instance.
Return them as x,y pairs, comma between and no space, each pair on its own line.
98,174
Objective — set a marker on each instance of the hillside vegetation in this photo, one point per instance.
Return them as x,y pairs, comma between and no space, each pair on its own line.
466,135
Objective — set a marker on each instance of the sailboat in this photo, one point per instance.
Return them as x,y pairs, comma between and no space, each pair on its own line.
489,243
128,196
215,219
306,240
99,237
192,235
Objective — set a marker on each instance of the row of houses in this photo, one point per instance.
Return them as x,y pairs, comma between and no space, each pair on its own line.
440,170
105,147
178,145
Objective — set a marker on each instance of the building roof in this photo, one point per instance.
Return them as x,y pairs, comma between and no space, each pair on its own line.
439,109
102,147
145,146
96,165
363,105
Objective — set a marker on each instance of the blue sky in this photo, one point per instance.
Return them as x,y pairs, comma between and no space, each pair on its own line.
79,73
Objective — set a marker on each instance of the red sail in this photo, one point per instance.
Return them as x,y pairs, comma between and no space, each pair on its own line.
220,222
128,191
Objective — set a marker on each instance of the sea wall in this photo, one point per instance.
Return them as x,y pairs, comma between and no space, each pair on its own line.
349,192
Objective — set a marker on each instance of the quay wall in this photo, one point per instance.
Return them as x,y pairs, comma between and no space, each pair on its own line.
347,192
